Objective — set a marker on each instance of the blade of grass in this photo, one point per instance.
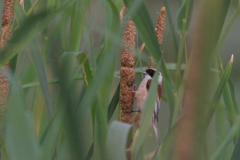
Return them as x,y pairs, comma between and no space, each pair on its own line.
87,75
183,20
27,5
20,127
233,132
220,125
108,19
220,89
229,105
169,16
220,129
50,81
51,38
105,69
184,14
105,88
236,153
116,140
228,99
19,13
113,104
35,54
29,30
77,20
74,135
64,33
100,135
50,136
30,11
232,91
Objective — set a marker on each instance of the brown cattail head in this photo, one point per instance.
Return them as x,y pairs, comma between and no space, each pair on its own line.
6,34
159,31
127,70
123,11
161,25
7,21
4,87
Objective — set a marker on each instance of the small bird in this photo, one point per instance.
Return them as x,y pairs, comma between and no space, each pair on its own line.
142,92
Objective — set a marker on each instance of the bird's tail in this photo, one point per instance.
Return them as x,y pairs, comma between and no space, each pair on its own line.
154,125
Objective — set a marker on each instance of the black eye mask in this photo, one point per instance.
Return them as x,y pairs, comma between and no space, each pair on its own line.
150,72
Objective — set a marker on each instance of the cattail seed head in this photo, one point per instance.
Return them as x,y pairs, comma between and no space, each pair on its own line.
7,21
159,32
6,34
161,25
127,70
4,87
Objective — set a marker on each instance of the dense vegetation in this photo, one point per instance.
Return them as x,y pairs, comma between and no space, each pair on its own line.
64,82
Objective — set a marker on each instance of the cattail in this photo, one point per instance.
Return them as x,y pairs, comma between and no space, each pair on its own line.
127,70
6,34
159,31
161,25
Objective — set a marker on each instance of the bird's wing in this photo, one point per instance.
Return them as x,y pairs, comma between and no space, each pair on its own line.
157,105
148,84
156,110
159,88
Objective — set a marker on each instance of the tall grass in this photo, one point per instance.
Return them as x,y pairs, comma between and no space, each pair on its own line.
65,72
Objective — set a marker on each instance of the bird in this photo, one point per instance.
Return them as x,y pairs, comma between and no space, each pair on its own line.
142,92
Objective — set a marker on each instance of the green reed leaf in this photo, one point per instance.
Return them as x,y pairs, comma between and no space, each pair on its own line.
184,15
233,132
222,84
117,140
20,138
77,22
114,102
36,57
32,27
87,75
21,16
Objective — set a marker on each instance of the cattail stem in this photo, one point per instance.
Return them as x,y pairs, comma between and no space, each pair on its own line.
6,34
127,70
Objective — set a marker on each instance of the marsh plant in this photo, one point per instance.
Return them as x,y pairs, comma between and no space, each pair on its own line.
68,69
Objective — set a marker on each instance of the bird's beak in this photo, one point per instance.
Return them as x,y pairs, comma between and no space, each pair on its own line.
144,73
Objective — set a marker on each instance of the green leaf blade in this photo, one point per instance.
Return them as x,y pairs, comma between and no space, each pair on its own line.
117,140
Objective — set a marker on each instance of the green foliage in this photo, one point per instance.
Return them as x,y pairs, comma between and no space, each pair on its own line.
64,86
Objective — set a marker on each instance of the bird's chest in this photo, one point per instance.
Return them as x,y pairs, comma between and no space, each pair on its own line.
141,95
